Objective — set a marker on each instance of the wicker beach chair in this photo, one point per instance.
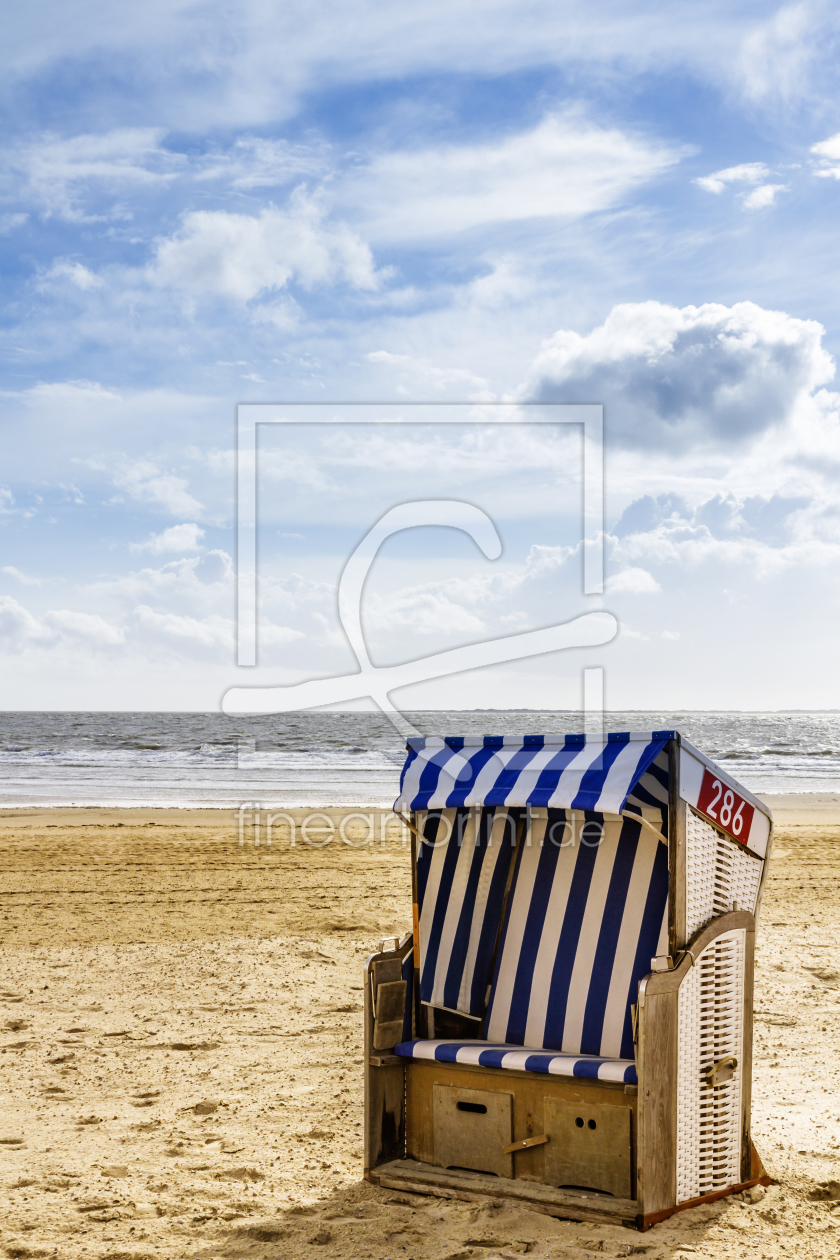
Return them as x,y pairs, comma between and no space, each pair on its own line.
569,1023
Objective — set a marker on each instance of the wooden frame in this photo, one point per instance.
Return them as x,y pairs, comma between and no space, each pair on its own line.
399,1093
656,1059
384,1115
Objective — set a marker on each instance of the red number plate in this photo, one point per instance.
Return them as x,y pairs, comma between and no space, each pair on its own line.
725,807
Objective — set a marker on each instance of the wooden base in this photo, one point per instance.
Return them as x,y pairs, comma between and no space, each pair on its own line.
599,1156
411,1176
416,1178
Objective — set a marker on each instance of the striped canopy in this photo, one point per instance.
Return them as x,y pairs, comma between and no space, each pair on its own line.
556,771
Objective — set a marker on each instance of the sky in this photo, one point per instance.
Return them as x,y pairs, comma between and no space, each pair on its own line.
491,204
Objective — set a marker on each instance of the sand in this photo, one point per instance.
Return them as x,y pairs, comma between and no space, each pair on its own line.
181,1053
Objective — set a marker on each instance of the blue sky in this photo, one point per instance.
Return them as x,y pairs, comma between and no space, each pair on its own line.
202,206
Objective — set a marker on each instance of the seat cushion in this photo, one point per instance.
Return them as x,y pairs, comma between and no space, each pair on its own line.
514,1058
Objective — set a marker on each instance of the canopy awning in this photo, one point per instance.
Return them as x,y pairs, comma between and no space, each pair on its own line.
592,772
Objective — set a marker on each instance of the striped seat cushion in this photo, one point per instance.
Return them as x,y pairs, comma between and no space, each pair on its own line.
587,912
494,1054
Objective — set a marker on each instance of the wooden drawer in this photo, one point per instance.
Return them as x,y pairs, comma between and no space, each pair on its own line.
471,1128
589,1147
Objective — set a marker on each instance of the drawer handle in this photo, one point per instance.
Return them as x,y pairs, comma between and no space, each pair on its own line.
524,1143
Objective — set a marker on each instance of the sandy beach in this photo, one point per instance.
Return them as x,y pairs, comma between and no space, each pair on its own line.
181,1048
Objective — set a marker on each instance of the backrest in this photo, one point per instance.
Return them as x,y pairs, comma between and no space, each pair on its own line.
463,863
468,795
587,911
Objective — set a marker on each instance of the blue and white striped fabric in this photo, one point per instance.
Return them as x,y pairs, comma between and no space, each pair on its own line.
462,870
587,912
520,1059
648,798
557,772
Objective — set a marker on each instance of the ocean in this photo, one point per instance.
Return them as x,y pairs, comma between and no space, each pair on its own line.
207,759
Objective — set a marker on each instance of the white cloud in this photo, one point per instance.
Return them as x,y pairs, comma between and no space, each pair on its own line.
9,508
629,632
760,536
20,630
284,313
301,468
424,372
256,162
209,632
565,167
546,559
827,153
444,457
18,627
220,66
708,374
215,566
761,197
213,632
73,492
746,173
60,175
176,538
424,612
688,548
241,255
633,582
515,594
776,55
23,578
195,581
77,395
294,592
144,481
503,284
89,627
8,222
273,636
76,273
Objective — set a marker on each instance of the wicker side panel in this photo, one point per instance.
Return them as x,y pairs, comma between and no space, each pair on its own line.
719,872
688,1092
711,1027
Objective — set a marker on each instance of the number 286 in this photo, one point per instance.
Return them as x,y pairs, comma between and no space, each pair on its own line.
721,807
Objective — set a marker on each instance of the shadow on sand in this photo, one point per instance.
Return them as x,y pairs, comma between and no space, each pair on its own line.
364,1222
